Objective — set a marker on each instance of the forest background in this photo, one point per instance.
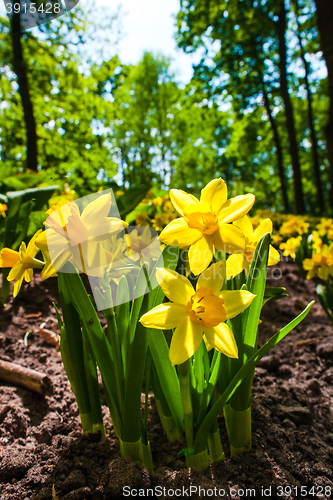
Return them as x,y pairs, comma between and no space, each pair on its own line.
257,111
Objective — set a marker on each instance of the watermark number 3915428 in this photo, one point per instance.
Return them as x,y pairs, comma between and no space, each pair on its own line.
26,14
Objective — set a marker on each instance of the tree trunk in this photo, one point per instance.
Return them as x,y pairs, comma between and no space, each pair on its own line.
324,21
316,166
278,150
293,147
21,73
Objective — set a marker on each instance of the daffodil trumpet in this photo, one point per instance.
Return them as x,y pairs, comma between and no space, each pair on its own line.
205,224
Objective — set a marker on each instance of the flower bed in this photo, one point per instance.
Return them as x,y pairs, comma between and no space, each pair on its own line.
41,441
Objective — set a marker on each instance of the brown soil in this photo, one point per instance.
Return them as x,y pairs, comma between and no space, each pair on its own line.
44,456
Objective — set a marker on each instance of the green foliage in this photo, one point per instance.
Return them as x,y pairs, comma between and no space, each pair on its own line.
101,123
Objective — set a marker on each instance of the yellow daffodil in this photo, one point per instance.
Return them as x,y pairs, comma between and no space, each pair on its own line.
142,220
316,242
3,209
77,237
290,246
157,202
197,313
206,223
321,264
242,260
276,239
325,228
294,225
22,262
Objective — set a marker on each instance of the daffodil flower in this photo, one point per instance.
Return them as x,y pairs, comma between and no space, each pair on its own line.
242,260
197,313
320,264
22,262
206,223
77,237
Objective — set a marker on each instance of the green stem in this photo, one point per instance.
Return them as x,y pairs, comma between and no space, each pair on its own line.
113,337
199,461
238,424
215,446
214,439
184,372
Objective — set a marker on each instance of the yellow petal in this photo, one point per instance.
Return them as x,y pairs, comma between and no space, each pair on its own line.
323,272
229,239
308,264
181,200
41,240
245,225
176,287
106,228
17,286
8,257
265,226
164,316
215,193
179,234
32,248
28,274
234,265
200,254
16,272
48,271
57,262
22,250
91,258
96,210
213,277
236,301
273,256
77,231
221,338
185,341
235,208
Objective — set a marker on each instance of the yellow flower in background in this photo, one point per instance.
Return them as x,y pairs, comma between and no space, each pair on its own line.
316,242
325,228
142,220
3,209
157,202
22,262
276,239
294,225
321,264
77,237
242,260
197,314
206,223
290,246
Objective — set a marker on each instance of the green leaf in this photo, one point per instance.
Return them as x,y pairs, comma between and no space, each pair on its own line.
40,195
100,345
245,325
130,199
166,373
123,314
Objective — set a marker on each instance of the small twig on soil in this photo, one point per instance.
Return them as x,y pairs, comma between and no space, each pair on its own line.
25,377
308,341
35,315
